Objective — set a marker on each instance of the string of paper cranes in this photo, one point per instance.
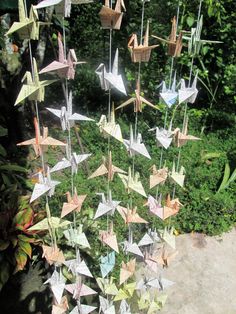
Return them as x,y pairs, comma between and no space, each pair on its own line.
155,249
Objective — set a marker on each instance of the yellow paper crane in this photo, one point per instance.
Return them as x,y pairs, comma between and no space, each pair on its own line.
33,88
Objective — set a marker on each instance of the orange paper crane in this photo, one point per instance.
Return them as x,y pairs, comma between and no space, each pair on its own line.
142,52
130,215
175,42
41,143
73,203
109,238
158,176
172,205
60,308
138,100
53,255
181,138
127,270
107,168
111,19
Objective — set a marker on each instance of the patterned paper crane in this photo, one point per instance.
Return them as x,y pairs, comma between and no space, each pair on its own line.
112,18
64,67
140,52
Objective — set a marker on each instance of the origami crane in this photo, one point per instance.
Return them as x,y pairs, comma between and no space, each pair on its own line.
57,285
110,127
132,247
111,79
64,67
127,270
111,19
130,215
134,145
47,223
73,203
142,52
126,292
174,42
158,176
132,182
153,282
163,212
106,306
174,204
60,308
138,101
194,41
79,290
107,206
66,117
188,94
153,262
78,237
72,161
168,236
34,89
109,238
83,309
41,143
124,308
169,95
107,168
53,255
107,285
181,138
178,176
107,263
44,185
165,257
153,305
27,27
163,136
62,7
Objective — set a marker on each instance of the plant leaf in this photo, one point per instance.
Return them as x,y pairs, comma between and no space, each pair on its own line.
21,259
4,244
225,178
26,247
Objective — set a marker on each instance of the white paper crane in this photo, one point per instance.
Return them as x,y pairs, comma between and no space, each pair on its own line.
163,136
169,95
66,116
72,160
44,185
106,205
134,145
188,94
111,79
